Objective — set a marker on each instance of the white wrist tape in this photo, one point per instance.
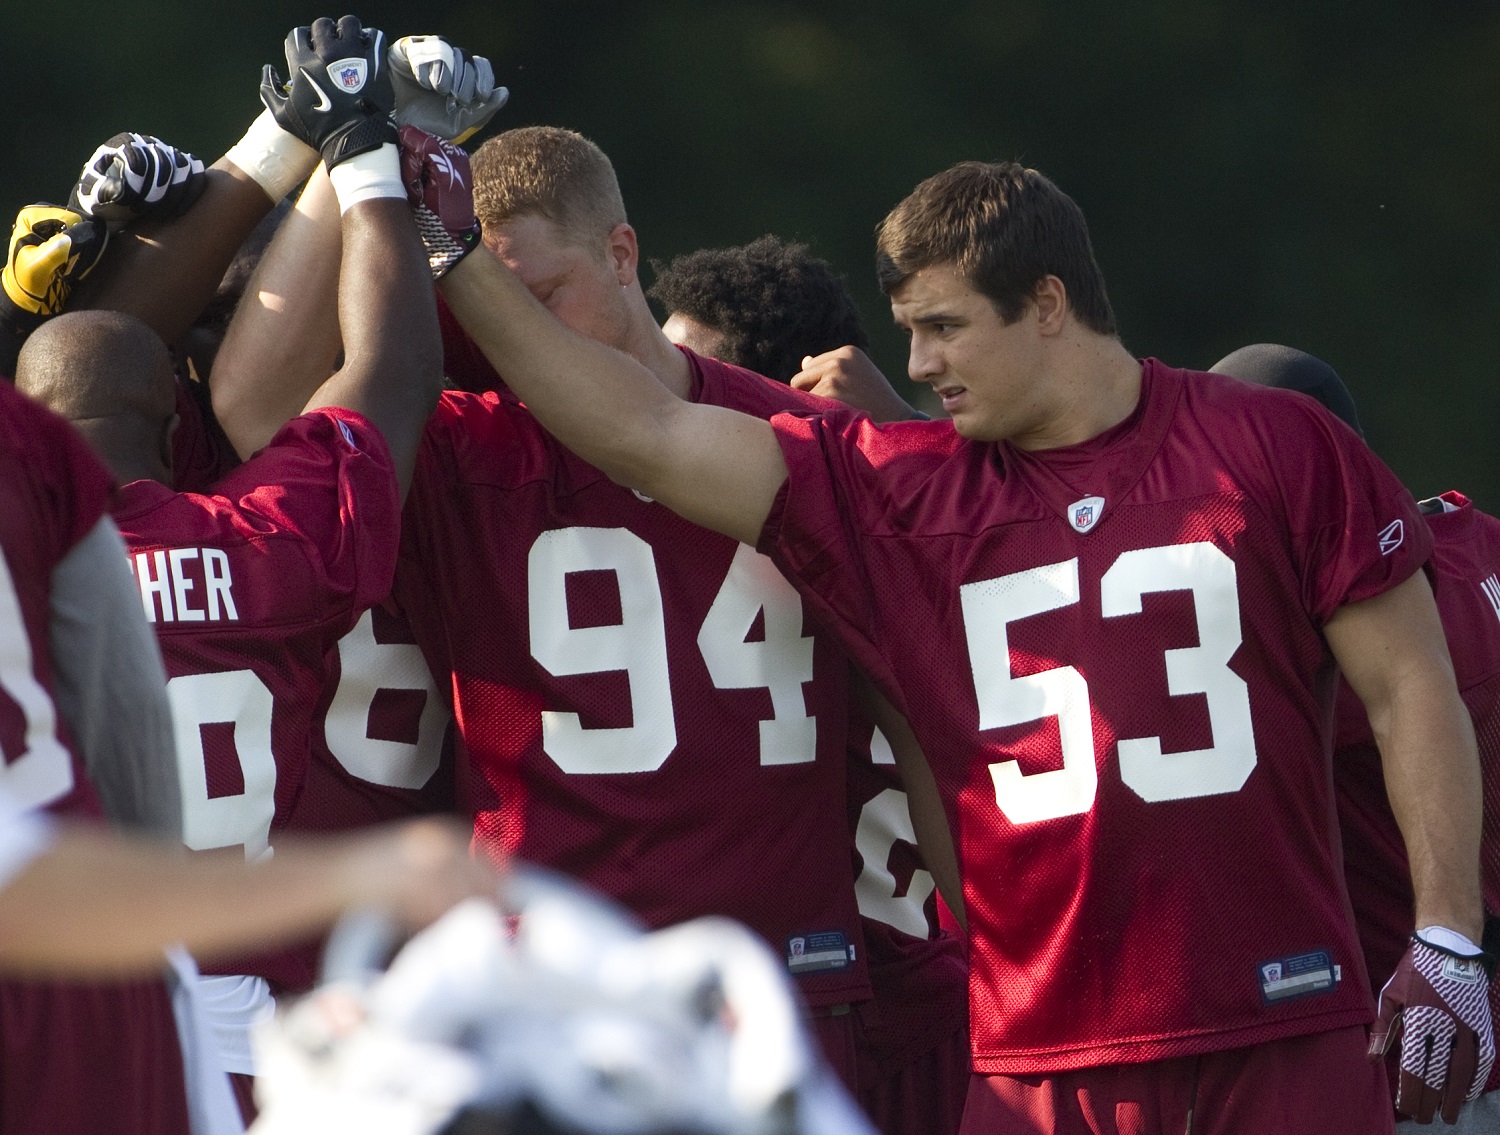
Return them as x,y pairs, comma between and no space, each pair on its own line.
368,176
1450,940
277,161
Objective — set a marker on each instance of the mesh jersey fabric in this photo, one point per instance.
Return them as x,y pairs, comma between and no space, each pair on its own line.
1465,575
1111,655
75,1057
250,589
638,701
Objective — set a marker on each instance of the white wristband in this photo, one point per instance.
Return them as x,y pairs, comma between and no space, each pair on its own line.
368,176
1450,940
277,161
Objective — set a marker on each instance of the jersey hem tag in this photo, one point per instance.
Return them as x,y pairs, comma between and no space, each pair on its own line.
1303,975
823,951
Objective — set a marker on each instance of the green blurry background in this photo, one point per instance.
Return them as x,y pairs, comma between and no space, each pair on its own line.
1318,174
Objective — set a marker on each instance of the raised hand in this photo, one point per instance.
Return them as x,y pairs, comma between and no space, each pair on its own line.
51,249
441,89
338,97
135,177
440,190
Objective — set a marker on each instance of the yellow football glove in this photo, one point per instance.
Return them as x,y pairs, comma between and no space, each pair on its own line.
51,249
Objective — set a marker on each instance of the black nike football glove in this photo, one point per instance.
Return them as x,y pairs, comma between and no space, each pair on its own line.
338,98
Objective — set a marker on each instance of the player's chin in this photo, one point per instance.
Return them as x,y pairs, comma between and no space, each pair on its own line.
973,426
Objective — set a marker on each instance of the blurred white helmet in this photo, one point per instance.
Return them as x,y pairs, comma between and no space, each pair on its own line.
566,1019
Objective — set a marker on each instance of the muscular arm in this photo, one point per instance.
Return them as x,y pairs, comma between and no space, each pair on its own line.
1392,650
716,467
928,819
284,338
165,273
393,354
98,903
110,685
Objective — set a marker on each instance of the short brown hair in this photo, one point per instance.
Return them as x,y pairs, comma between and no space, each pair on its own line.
1004,228
558,174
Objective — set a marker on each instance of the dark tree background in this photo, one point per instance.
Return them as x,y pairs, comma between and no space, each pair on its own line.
1318,174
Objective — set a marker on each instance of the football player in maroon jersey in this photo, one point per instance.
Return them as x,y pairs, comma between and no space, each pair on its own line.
1464,571
638,700
772,307
1112,618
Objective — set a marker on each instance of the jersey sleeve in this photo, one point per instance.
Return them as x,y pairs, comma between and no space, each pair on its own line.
328,478
1355,530
816,531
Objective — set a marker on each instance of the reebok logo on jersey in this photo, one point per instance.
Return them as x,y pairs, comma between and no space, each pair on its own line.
348,434
1084,514
349,74
1391,537
1491,589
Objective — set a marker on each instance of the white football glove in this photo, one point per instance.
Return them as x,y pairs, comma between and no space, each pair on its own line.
441,89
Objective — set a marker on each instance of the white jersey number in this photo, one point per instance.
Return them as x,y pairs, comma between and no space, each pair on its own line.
638,646
237,698
365,668
44,771
884,822
990,605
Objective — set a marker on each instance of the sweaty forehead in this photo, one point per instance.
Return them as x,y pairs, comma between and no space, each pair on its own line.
938,289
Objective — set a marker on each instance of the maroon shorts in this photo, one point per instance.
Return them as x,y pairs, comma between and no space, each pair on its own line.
1308,1085
837,1037
925,1096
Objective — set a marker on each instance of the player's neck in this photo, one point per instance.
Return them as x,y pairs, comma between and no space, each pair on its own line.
654,351
1097,384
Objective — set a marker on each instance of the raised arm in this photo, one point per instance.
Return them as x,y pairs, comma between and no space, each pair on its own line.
716,467
284,340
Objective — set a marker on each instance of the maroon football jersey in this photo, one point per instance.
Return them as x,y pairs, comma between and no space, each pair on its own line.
75,1057
1111,654
201,454
251,590
917,969
1465,574
640,702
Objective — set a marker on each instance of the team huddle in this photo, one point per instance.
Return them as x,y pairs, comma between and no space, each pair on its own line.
390,540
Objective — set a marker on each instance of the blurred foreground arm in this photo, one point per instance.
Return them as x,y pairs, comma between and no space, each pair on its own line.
97,902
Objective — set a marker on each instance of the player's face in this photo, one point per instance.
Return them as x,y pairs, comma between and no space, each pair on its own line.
578,285
987,372
697,337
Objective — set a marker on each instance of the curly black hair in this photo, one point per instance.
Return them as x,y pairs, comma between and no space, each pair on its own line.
772,300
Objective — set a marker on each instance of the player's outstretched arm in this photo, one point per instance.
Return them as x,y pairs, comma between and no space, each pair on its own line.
716,467
98,902
164,272
392,370
284,338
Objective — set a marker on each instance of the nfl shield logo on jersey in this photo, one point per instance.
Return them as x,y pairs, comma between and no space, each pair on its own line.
1271,972
349,74
1084,514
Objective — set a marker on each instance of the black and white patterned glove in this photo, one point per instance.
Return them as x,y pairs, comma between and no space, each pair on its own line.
1439,999
338,98
135,177
441,89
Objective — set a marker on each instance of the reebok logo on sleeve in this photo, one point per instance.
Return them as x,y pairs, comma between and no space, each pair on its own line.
1391,537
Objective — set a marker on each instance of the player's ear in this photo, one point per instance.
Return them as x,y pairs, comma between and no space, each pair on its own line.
624,253
1051,297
